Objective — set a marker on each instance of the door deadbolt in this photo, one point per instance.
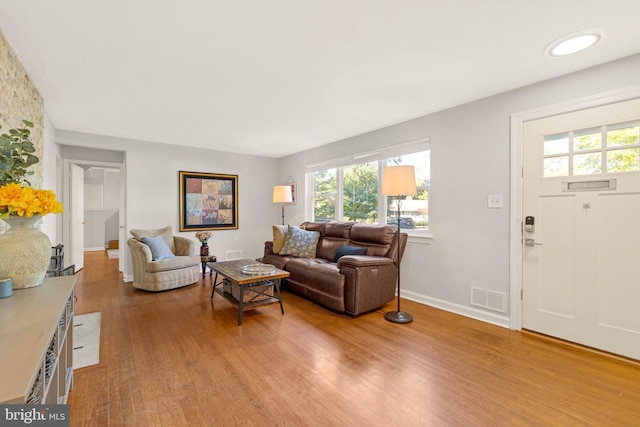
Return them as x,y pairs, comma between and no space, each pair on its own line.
529,224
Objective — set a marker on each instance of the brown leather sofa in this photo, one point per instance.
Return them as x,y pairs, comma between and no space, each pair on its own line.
356,283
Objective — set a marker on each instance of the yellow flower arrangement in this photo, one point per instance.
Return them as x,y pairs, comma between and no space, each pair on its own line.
27,201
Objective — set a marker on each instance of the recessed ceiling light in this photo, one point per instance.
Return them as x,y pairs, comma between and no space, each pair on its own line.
573,43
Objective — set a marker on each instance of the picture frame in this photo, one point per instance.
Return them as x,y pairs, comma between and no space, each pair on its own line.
208,201
294,193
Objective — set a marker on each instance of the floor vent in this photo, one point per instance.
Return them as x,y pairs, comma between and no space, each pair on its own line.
233,255
491,300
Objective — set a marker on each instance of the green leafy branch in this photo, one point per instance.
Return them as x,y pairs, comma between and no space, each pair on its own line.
16,155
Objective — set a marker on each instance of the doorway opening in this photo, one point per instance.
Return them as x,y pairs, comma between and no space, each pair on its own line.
93,196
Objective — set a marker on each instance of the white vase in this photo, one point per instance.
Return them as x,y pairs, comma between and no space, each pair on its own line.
25,252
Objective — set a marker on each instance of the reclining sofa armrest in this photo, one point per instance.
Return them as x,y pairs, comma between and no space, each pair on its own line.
355,261
369,282
184,246
268,248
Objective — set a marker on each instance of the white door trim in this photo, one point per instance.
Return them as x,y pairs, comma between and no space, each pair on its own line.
66,238
517,140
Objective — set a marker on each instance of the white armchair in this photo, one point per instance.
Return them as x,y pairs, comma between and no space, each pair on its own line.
180,267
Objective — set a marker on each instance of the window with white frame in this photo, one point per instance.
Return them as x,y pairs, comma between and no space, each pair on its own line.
606,149
348,189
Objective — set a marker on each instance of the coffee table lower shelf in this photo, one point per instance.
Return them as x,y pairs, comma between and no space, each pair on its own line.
260,288
247,305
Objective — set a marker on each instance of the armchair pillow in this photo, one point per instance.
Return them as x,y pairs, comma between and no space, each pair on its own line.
166,234
159,248
300,243
348,250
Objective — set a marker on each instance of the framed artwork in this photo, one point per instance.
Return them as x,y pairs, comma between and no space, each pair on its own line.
294,193
208,201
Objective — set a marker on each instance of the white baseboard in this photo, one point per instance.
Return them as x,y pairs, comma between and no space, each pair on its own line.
97,248
127,278
495,319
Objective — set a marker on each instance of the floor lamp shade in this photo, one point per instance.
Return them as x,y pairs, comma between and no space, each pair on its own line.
282,194
398,181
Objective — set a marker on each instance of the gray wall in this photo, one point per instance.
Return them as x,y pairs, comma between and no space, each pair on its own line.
151,180
470,159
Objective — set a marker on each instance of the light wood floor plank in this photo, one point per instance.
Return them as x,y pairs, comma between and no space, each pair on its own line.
176,359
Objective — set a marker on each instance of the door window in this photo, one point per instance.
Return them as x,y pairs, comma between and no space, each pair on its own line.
593,151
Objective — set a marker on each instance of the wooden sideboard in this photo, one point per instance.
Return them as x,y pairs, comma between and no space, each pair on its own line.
36,343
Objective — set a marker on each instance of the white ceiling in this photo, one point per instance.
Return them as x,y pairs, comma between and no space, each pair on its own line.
277,77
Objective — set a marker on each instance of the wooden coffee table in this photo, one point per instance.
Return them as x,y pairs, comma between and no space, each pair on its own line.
251,289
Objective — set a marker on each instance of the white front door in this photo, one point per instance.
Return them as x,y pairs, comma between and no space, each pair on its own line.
581,190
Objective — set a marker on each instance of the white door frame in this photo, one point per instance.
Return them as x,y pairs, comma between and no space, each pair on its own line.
517,140
66,229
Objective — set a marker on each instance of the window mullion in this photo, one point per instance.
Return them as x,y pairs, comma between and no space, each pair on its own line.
382,200
339,193
571,153
604,150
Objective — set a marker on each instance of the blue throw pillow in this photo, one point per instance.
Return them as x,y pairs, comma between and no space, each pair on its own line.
159,248
348,250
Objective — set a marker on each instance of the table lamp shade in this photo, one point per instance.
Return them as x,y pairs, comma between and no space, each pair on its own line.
398,180
282,194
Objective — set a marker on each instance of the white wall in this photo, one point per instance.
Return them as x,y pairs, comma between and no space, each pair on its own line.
152,188
102,226
470,159
50,155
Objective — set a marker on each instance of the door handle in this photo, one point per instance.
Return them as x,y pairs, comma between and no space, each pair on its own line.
531,242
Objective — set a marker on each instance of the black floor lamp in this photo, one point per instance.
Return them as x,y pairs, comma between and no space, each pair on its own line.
398,181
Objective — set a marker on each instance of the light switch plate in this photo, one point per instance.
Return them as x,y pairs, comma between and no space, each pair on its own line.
494,201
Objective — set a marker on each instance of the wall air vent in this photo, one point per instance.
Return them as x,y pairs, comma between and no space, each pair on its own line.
598,185
488,299
233,255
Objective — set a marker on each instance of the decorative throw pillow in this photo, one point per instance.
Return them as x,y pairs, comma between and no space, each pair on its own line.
348,250
300,243
159,248
279,234
166,233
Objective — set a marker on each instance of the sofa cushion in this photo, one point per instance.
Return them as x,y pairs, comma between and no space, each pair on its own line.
314,226
348,250
166,233
338,230
159,248
279,235
378,239
300,243
336,234
318,279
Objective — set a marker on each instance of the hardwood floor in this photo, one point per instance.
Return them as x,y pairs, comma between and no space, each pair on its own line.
174,359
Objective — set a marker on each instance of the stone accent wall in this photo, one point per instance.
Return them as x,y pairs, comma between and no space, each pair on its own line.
20,99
